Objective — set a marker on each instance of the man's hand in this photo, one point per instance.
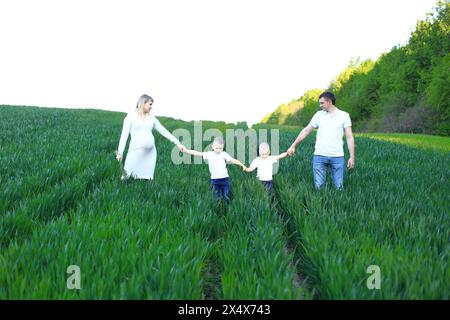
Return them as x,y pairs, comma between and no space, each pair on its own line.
351,147
119,157
351,163
181,147
291,151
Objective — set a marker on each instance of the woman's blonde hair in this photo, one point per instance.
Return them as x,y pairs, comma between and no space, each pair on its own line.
140,104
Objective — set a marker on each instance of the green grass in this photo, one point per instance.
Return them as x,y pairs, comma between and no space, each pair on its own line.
393,213
62,203
420,141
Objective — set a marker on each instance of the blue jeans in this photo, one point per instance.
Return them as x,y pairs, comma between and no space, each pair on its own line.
221,188
268,185
320,165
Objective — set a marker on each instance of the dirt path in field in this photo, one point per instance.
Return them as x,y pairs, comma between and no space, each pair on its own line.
212,286
292,247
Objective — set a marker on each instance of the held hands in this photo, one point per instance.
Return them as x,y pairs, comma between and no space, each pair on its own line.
181,147
291,151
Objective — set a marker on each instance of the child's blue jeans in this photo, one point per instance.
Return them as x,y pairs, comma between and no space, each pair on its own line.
268,185
320,165
221,188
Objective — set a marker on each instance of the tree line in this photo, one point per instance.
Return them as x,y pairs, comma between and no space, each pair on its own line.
405,90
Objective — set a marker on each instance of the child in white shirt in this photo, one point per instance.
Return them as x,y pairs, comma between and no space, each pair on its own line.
217,159
264,164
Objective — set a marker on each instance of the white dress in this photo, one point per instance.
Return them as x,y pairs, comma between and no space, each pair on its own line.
141,157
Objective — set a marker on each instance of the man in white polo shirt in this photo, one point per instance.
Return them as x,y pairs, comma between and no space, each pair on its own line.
331,124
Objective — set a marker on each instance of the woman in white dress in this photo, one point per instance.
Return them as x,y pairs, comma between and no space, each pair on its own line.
141,158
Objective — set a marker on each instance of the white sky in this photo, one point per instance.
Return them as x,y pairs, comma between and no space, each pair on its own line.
232,60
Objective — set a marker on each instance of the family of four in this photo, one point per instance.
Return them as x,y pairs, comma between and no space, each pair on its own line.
331,123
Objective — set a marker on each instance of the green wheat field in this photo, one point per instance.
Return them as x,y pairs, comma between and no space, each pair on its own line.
63,203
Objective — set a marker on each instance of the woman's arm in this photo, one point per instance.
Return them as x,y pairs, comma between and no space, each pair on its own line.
124,136
166,134
194,152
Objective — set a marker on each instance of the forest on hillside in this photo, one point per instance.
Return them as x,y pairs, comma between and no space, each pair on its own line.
405,90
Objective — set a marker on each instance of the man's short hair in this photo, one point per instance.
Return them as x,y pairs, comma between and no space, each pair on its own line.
328,96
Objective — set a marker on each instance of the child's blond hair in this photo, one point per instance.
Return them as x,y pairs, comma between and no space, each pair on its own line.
264,147
218,140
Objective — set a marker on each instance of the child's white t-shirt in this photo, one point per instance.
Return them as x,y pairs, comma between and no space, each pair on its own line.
264,166
216,163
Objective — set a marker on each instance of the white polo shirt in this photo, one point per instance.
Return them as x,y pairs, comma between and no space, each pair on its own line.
264,166
329,141
217,163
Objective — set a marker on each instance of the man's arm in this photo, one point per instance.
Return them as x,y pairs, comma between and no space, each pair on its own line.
302,135
351,147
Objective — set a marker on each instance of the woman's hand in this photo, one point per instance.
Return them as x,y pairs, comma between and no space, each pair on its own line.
119,157
181,147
